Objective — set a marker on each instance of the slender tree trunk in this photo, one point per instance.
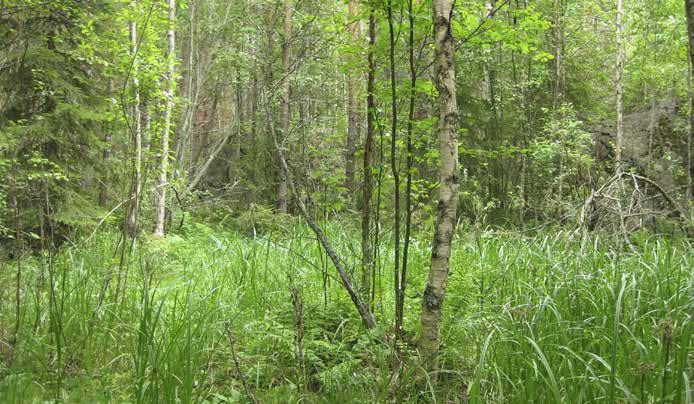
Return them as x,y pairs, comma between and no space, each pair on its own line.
376,274
410,161
367,186
618,87
186,95
689,6
202,170
252,135
103,187
558,93
298,305
134,203
445,80
495,139
282,190
253,107
164,164
352,103
359,304
269,21
18,251
397,276
240,104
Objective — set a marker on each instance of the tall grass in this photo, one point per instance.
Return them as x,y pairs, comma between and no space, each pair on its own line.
548,318
560,325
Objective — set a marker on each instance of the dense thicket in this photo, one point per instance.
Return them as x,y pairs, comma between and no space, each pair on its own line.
401,118
535,83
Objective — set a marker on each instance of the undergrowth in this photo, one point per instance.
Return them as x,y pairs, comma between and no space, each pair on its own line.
551,317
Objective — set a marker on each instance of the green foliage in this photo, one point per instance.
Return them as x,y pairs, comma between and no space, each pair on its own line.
51,117
526,319
257,218
561,159
543,318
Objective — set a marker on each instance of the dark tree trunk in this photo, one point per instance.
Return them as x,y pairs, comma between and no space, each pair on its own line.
689,6
367,187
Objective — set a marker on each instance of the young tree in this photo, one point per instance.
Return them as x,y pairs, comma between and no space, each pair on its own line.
445,81
352,103
188,95
367,186
103,185
558,82
164,163
397,275
400,296
134,202
282,189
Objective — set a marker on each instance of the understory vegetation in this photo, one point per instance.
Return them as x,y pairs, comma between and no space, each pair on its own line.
347,201
553,316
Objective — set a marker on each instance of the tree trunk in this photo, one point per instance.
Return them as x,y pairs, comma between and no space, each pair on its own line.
240,113
445,80
282,189
202,170
187,97
134,202
164,164
367,186
558,93
361,306
397,276
689,6
103,185
400,303
618,88
352,103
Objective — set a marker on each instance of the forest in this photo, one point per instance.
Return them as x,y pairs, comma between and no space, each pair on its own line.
346,201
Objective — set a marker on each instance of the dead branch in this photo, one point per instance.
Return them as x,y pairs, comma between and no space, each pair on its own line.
232,344
624,197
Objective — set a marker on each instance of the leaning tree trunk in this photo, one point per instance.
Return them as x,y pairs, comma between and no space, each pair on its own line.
164,165
689,6
282,189
360,304
444,78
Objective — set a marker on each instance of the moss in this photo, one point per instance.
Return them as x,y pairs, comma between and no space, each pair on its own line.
430,300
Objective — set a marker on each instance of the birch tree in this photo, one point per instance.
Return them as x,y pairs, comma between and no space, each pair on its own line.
164,163
445,81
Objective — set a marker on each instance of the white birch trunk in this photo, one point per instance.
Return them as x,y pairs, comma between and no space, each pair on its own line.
164,164
445,80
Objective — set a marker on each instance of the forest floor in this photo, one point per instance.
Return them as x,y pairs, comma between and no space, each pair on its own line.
194,316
